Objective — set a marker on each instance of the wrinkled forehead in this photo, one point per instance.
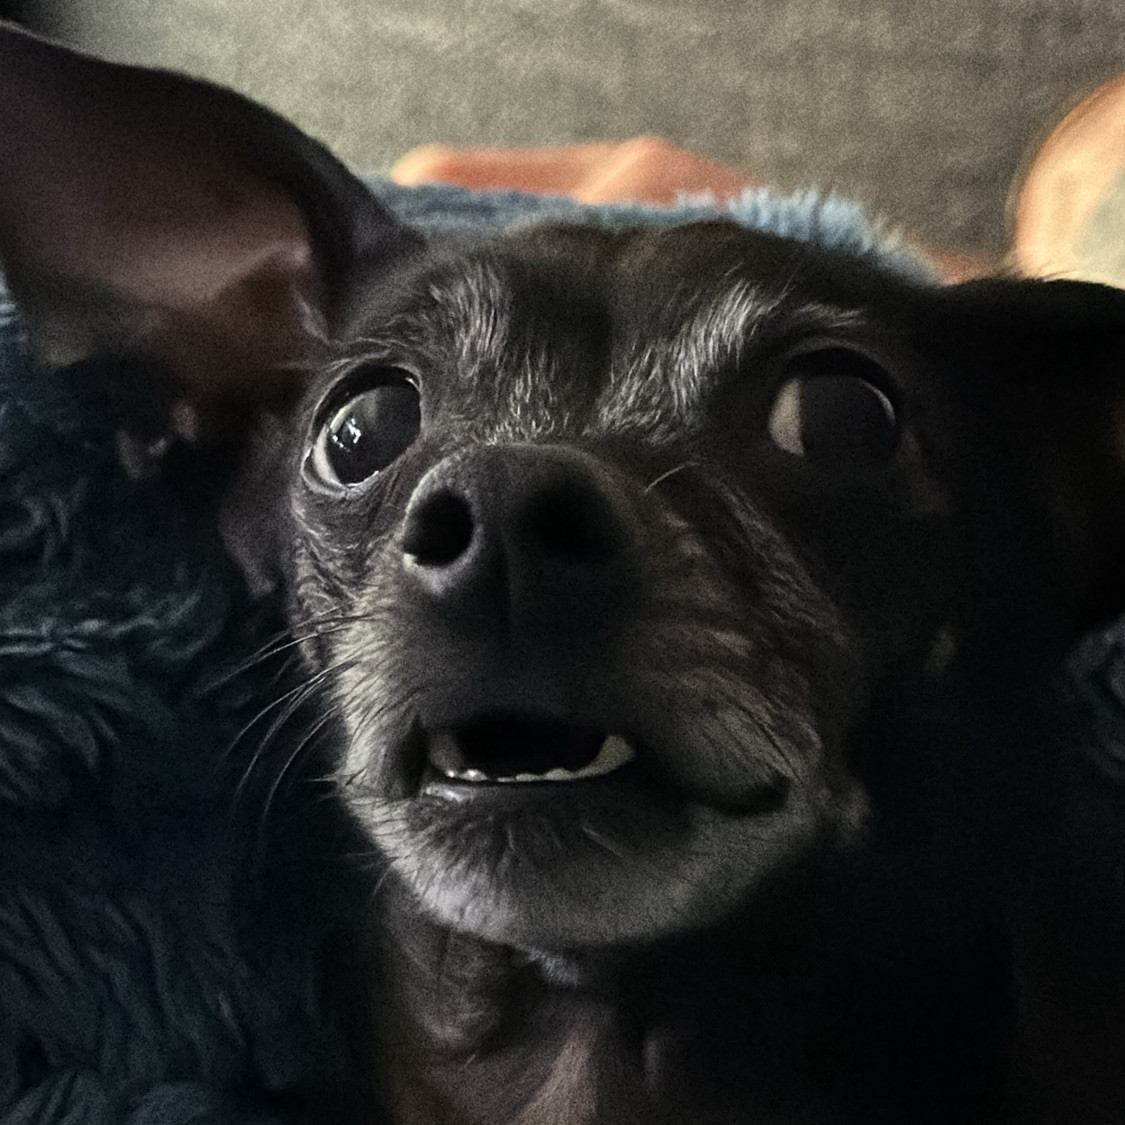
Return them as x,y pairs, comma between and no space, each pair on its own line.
565,328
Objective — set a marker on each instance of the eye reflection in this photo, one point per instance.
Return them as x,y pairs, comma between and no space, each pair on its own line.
368,432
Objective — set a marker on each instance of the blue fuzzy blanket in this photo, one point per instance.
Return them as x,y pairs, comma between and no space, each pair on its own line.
169,896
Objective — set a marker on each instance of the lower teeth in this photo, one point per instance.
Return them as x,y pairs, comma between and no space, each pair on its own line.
614,753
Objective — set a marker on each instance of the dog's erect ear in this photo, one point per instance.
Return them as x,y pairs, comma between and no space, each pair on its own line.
148,214
1043,365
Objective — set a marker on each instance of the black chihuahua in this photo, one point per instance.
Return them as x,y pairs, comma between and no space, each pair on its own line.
684,605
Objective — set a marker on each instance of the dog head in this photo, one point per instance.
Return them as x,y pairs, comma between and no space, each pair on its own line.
615,555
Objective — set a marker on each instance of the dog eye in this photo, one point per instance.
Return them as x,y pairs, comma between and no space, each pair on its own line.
831,412
369,431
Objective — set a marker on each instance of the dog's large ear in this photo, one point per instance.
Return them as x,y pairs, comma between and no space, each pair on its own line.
1042,364
151,216
146,213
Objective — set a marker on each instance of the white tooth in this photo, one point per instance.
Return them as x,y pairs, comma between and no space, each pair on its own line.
526,777
472,775
617,750
559,774
614,754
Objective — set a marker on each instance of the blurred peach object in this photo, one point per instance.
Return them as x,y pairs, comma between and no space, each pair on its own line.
1069,210
647,168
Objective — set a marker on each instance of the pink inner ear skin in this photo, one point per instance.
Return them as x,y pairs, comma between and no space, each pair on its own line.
135,184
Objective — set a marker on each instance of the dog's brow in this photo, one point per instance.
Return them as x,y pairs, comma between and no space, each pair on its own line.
662,380
720,329
668,366
476,311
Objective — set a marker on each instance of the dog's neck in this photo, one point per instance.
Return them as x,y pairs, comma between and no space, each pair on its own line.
453,1019
469,1032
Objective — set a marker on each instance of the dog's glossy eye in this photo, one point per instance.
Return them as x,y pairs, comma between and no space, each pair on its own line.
369,431
831,412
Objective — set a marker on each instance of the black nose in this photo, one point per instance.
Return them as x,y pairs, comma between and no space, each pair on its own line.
521,530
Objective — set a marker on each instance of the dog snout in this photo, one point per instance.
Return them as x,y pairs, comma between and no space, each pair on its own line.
522,530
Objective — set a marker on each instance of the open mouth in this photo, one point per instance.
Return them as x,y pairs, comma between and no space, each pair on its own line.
509,760
515,750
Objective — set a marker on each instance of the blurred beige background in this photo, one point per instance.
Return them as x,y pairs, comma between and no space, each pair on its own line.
925,111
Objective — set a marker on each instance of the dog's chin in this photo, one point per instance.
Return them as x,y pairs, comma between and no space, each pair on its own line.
558,865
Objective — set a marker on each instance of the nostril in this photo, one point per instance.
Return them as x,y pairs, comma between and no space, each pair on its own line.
438,530
571,523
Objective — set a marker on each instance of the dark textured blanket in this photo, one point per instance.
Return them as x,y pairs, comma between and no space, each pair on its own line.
150,970
173,880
